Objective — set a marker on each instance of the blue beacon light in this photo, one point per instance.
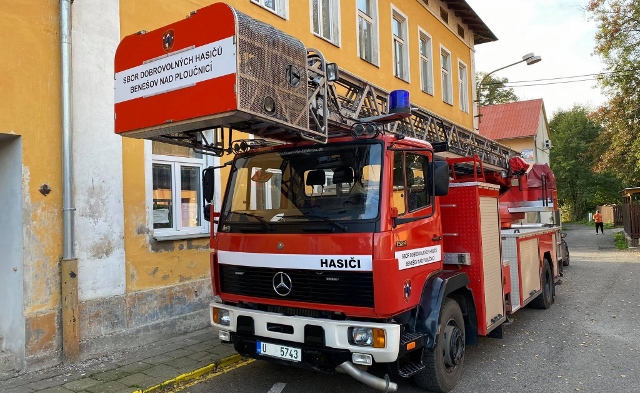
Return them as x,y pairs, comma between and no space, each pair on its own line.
399,102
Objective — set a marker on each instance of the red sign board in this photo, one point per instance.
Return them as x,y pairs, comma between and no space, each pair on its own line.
177,73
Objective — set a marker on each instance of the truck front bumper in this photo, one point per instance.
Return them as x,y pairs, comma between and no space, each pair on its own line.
324,342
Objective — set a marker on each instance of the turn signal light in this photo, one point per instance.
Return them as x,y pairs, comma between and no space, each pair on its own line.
220,316
379,338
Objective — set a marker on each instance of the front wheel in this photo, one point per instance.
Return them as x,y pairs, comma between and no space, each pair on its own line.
444,362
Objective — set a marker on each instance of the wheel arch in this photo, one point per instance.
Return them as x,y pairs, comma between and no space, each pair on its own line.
436,289
547,256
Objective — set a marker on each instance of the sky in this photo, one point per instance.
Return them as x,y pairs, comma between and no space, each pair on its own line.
557,30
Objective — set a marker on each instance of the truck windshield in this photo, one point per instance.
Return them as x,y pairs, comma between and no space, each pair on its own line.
321,184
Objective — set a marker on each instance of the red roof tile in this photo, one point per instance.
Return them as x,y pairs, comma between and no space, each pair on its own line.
513,120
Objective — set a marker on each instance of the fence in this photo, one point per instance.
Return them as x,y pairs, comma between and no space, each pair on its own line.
611,214
631,221
626,215
617,216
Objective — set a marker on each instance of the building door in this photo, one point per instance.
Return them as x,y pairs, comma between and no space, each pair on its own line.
12,323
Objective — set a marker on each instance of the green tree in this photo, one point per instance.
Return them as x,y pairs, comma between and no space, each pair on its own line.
573,158
492,91
618,44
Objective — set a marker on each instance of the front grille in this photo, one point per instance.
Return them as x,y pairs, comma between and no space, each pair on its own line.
312,286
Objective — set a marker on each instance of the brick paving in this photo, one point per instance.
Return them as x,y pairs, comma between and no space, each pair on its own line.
133,370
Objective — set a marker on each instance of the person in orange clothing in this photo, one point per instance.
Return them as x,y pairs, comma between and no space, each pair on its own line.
598,219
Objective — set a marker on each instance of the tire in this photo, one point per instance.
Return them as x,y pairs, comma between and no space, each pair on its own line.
545,299
444,362
565,260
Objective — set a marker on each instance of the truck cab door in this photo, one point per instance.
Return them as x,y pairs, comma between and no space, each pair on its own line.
417,231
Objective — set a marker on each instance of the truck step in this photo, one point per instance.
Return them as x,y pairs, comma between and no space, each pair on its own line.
406,338
411,369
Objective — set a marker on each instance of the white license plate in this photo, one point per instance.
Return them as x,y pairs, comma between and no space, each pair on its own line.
279,351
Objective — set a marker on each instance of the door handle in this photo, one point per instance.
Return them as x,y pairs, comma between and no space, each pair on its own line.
436,238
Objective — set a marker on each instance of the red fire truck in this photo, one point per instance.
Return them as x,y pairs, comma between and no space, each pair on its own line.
357,228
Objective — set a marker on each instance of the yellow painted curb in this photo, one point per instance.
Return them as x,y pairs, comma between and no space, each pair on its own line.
193,374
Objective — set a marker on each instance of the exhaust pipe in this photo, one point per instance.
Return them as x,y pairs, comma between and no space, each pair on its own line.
383,385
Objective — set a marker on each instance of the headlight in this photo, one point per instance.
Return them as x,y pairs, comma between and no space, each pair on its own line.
220,316
367,337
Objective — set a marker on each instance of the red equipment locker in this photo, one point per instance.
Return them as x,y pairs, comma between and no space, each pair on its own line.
471,240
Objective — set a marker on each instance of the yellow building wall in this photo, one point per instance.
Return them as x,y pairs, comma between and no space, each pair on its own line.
519,144
30,62
151,264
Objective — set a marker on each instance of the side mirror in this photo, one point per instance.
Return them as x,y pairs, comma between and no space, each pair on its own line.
208,184
439,178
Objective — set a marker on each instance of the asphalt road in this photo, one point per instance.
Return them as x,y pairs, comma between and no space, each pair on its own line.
588,341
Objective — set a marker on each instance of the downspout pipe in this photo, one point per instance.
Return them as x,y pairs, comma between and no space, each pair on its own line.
68,208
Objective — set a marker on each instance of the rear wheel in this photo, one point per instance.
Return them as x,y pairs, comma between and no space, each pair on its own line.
545,299
444,362
565,248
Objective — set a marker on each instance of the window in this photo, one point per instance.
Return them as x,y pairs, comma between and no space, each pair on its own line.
416,169
400,50
368,31
325,18
426,67
278,7
330,183
464,87
444,15
177,193
445,64
409,182
461,31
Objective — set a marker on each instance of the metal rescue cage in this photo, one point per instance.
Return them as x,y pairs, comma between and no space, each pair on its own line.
257,82
272,74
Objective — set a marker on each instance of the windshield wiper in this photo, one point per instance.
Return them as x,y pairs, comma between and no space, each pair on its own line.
323,218
257,217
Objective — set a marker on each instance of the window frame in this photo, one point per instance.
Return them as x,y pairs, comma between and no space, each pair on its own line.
375,37
176,163
396,14
463,86
449,79
429,87
334,23
169,234
426,210
282,7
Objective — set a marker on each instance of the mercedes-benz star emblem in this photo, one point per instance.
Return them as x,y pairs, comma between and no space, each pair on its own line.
282,283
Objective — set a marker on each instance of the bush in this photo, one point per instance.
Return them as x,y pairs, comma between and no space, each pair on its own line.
621,241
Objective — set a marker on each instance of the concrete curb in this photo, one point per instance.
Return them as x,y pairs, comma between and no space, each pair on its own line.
193,374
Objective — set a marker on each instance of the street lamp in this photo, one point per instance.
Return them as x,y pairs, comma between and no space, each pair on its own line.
529,58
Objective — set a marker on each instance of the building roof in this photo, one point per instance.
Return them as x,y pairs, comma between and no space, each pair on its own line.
630,191
509,121
481,32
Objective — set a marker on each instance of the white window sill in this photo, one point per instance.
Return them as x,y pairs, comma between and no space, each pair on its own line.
270,10
326,39
404,80
369,62
161,237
